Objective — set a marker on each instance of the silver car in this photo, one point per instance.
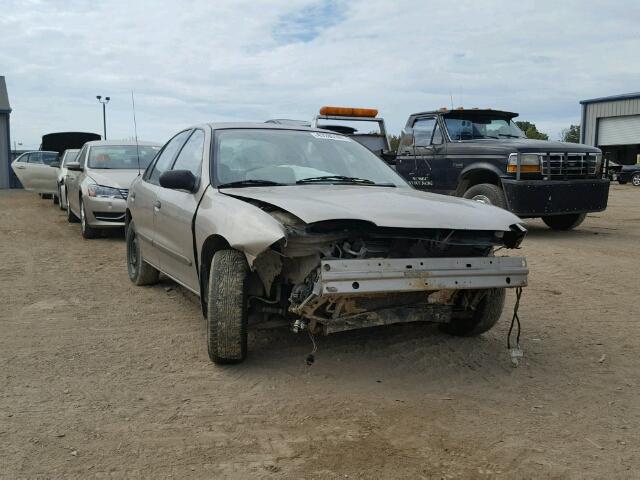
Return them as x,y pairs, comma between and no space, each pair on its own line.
276,223
97,182
35,172
68,156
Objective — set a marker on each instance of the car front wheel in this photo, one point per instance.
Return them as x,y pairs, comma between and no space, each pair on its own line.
140,272
62,202
635,179
227,307
564,222
481,319
87,231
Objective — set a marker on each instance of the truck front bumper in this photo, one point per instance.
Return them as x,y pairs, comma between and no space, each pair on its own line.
538,198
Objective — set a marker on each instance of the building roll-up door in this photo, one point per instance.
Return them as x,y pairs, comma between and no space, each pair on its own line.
619,130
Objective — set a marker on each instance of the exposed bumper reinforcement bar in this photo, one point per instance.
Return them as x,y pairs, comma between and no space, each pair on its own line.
369,276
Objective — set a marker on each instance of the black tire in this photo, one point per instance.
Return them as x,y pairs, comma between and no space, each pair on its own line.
564,222
71,217
56,199
487,193
635,179
484,317
227,307
140,272
87,231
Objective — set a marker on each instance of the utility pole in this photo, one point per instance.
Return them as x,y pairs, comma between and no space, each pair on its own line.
104,113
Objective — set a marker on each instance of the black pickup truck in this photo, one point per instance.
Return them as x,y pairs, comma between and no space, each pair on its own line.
481,154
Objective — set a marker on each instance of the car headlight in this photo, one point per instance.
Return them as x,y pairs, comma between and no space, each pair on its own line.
529,163
103,192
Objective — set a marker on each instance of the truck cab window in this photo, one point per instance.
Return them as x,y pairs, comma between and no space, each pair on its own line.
423,131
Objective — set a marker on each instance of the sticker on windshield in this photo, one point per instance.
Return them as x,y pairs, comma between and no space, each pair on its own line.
330,136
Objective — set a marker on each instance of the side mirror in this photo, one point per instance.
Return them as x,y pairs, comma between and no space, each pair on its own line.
75,166
389,157
178,180
54,164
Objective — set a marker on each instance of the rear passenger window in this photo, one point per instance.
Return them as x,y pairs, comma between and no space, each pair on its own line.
190,157
35,157
163,162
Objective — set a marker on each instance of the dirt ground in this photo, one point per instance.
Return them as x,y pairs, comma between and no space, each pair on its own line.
101,379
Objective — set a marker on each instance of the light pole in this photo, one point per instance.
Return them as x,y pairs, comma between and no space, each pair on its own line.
104,112
15,148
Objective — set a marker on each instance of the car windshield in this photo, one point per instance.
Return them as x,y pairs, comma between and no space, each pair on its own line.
112,157
481,126
69,156
289,157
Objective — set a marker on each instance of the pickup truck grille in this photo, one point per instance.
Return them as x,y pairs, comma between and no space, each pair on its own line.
124,192
569,165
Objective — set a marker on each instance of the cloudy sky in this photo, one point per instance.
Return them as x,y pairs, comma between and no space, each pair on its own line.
203,60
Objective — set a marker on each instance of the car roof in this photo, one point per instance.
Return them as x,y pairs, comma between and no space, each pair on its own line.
260,126
479,111
121,143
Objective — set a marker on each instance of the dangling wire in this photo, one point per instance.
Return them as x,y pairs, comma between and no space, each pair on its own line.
515,319
311,357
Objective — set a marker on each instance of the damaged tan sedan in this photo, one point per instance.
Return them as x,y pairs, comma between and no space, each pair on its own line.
272,223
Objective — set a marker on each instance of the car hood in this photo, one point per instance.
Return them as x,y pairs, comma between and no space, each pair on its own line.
524,145
383,206
113,178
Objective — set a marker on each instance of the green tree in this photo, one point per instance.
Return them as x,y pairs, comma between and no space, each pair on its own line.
531,131
394,142
571,134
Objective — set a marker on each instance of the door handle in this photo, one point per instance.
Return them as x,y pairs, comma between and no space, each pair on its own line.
20,167
157,205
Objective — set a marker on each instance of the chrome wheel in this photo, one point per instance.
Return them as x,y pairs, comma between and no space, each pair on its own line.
635,179
482,199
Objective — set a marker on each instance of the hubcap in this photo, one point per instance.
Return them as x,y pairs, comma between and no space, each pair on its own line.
482,199
133,253
636,180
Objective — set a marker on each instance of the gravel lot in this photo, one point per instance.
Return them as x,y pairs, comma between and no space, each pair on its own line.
101,379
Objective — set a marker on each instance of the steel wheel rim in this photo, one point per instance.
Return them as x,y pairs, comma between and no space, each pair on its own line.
482,199
133,253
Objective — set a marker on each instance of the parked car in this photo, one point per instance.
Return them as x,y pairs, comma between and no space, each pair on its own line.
266,221
34,171
629,173
97,182
67,157
481,154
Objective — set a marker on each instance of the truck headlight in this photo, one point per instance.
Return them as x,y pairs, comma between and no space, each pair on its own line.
598,163
103,192
529,163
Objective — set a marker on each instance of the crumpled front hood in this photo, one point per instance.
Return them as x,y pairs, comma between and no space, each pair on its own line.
383,206
113,178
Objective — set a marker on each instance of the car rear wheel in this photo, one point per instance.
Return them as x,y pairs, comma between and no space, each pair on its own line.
87,231
227,307
140,272
622,182
487,193
482,319
635,179
564,222
56,198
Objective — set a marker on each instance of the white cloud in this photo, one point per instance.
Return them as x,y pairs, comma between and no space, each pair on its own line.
197,61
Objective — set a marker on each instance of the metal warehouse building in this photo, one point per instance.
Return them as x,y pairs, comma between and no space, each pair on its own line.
5,140
613,124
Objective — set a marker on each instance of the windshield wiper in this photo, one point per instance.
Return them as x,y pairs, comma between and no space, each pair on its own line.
508,135
251,183
336,178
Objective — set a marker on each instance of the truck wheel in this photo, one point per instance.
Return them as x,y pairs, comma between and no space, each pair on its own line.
484,317
635,179
487,193
564,222
87,231
140,272
227,307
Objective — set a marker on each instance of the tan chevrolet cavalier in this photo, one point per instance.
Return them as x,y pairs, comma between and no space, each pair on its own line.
274,223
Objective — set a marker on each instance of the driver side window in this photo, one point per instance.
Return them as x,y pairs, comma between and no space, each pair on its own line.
165,158
423,132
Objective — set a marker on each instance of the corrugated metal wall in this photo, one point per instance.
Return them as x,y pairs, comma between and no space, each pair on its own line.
606,109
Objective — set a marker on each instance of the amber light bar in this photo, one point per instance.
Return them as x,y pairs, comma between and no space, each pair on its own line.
349,111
